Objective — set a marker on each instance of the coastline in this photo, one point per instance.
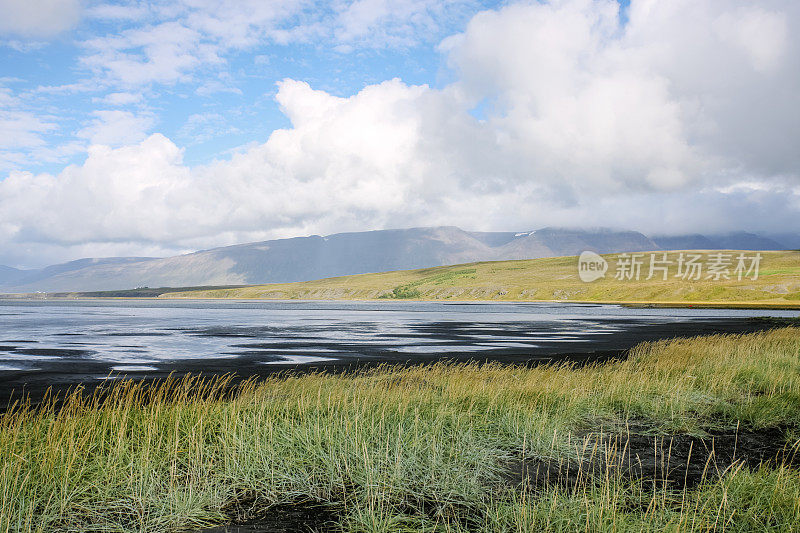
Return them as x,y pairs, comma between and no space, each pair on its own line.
65,373
642,304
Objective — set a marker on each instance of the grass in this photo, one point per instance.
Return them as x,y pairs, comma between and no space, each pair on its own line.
412,449
541,280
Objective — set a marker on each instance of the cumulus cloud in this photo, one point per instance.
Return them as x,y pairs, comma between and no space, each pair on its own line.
38,18
344,163
91,198
684,119
733,67
688,94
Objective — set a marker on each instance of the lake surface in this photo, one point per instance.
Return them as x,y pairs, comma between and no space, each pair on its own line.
60,343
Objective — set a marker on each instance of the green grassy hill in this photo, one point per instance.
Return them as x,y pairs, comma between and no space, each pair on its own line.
778,283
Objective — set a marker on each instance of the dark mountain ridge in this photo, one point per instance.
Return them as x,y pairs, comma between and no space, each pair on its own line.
314,257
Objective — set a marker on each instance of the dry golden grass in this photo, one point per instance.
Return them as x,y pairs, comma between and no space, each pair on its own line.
552,279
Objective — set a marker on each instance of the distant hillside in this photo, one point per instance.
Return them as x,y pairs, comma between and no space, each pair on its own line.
314,257
789,241
305,258
10,275
729,241
556,242
778,284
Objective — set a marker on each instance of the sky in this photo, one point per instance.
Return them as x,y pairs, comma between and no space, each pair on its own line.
152,128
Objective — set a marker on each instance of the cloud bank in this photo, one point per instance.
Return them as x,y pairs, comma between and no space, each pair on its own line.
38,18
685,118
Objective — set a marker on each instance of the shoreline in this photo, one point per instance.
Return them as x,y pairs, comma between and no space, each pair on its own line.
66,375
634,304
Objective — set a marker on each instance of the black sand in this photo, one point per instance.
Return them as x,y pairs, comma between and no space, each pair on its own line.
248,356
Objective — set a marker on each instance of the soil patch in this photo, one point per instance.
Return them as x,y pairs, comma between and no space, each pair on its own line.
672,461
285,518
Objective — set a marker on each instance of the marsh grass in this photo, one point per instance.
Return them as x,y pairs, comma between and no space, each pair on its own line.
412,449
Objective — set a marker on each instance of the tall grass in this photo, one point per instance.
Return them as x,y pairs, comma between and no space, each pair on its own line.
413,449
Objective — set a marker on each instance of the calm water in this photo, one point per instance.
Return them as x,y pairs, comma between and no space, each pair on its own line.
71,341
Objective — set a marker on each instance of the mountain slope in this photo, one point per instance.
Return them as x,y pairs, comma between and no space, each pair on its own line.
280,260
789,241
315,257
10,275
556,242
31,277
553,278
685,242
728,241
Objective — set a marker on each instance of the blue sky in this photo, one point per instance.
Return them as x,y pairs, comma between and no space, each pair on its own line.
158,127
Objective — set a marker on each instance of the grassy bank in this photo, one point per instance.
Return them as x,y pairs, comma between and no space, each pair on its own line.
441,448
778,284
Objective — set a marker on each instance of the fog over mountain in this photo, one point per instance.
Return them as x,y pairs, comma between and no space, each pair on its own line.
314,257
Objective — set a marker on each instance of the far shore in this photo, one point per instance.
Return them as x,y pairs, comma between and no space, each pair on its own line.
774,285
644,304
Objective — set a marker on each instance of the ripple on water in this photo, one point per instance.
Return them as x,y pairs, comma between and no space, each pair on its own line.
53,352
135,334
297,359
14,368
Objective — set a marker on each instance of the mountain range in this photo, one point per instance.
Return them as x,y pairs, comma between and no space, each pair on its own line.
315,257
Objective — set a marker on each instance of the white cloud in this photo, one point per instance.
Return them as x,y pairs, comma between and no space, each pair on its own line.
356,168
165,53
243,23
222,84
760,34
174,41
120,99
572,101
384,23
21,131
182,39
24,45
202,127
116,127
739,93
118,12
90,199
679,121
38,18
